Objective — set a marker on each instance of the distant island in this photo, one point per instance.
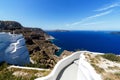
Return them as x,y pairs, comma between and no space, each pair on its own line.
116,32
58,30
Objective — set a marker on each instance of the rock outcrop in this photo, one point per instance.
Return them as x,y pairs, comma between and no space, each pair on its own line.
40,48
65,53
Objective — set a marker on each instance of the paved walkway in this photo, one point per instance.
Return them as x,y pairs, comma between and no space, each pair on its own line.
69,73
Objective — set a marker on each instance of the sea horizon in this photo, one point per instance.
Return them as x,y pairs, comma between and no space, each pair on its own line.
95,41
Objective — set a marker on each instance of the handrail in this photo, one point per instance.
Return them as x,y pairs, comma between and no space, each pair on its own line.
60,65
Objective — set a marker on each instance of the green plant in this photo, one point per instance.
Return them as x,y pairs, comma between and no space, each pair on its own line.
111,57
3,65
97,68
8,75
117,74
107,79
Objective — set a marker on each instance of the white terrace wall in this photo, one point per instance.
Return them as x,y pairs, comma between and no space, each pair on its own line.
60,65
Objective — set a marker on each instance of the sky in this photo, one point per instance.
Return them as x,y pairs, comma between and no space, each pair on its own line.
63,14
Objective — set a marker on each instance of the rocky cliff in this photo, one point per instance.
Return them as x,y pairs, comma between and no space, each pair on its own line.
41,50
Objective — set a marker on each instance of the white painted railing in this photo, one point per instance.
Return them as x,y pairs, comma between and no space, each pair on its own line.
60,65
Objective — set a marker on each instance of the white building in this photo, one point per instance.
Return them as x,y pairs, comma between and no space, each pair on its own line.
13,49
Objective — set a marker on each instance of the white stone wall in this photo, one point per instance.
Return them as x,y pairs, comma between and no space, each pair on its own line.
60,65
13,49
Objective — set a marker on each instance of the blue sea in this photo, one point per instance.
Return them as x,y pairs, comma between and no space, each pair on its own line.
96,41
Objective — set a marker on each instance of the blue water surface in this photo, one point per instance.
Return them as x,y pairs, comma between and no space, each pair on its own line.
96,41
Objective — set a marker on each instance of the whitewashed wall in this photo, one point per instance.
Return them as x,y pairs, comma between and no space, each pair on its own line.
60,65
13,49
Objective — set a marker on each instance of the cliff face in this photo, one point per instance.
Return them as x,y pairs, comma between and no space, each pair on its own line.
41,50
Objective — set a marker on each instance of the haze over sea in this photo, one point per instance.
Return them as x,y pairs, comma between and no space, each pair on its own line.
96,41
